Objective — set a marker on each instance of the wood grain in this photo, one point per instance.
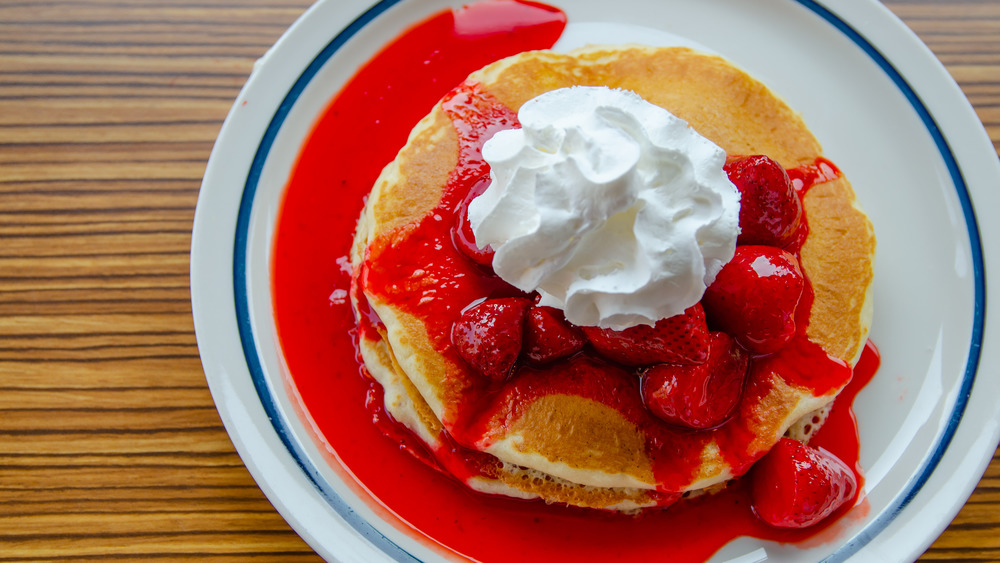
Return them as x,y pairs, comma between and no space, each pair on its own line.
110,445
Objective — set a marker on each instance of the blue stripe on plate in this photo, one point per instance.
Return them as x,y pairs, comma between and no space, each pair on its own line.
242,304
283,430
979,312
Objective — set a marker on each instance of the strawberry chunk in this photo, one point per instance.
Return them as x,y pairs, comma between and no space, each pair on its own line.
754,298
488,335
701,396
770,209
461,233
549,336
797,486
681,339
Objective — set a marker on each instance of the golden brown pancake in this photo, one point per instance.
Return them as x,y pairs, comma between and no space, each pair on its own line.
539,435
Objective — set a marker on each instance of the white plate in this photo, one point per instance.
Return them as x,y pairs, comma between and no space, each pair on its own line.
886,112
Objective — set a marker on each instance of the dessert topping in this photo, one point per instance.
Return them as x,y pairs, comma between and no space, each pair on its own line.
770,208
701,396
754,298
488,335
680,339
611,208
797,486
462,235
548,337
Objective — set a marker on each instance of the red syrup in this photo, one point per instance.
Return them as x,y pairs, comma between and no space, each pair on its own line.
315,325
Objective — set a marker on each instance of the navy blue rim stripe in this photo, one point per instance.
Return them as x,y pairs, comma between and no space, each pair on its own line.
283,429
979,312
242,301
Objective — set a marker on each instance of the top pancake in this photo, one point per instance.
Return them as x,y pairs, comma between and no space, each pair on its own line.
542,419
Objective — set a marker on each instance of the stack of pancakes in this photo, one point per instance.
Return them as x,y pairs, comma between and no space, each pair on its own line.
542,434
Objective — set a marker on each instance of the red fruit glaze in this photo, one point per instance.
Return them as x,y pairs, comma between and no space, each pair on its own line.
797,486
549,337
804,363
770,209
754,298
681,339
701,396
315,329
808,175
488,335
462,234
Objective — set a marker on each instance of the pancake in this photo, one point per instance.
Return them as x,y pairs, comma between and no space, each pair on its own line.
576,432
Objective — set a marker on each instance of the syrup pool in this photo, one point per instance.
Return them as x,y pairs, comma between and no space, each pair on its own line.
314,322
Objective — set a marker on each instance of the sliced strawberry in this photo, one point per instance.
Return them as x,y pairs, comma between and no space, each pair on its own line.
797,486
754,297
461,233
549,337
700,396
681,339
488,335
770,209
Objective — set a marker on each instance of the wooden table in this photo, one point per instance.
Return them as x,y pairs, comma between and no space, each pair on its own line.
110,445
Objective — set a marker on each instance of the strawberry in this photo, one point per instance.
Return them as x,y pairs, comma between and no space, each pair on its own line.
797,486
754,297
681,339
701,396
770,209
488,335
461,233
549,337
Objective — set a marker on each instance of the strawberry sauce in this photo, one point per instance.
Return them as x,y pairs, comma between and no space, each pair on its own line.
316,327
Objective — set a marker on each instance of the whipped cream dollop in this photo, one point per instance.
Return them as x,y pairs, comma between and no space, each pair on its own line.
613,209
